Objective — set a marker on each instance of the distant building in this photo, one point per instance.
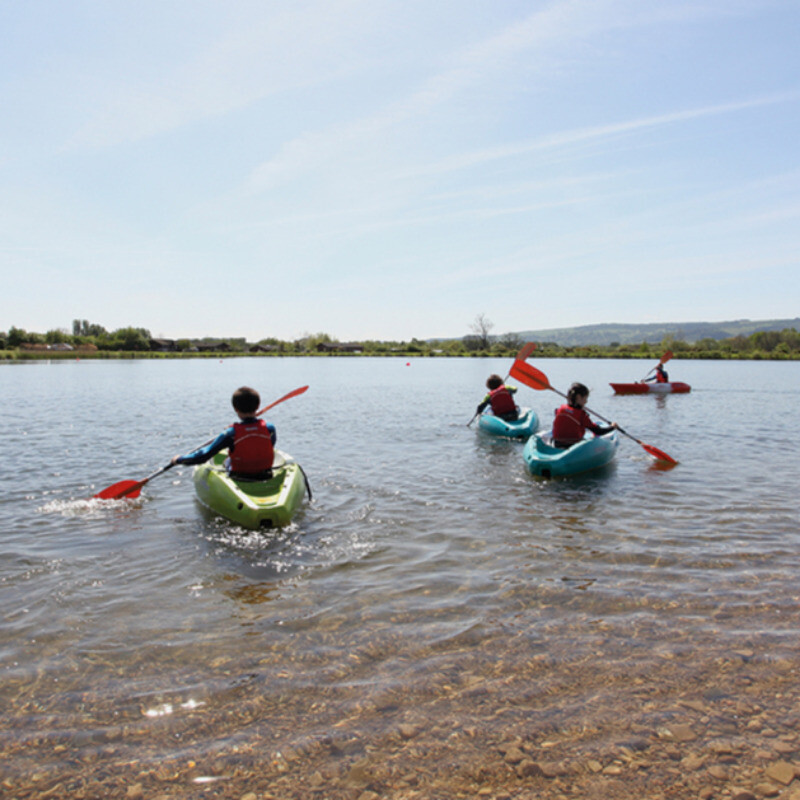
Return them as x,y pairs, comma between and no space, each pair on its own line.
212,347
340,347
163,345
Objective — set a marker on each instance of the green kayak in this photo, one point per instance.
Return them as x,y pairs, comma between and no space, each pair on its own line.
251,503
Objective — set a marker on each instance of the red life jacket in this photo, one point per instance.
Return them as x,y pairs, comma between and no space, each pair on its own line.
569,426
502,401
252,451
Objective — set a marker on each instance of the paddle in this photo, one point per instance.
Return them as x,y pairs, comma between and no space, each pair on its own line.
288,396
131,489
536,379
666,357
264,410
523,353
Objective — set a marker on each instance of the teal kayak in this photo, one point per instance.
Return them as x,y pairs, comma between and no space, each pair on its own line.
252,504
521,428
546,461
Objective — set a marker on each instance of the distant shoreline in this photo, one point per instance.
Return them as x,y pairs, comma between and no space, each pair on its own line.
8,356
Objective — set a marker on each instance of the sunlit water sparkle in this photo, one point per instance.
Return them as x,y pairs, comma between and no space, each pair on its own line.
428,550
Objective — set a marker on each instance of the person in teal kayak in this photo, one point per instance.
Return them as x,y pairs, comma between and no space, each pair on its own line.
572,422
250,441
500,398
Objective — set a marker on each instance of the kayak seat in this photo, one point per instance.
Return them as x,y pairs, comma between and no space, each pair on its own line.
548,439
253,477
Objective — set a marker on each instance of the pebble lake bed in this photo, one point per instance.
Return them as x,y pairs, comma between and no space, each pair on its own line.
437,623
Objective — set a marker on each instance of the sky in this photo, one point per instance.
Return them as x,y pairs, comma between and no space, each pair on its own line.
391,169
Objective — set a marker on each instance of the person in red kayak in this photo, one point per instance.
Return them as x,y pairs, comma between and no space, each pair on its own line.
250,441
572,422
661,375
500,398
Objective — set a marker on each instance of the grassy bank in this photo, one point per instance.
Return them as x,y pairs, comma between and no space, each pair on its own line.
554,352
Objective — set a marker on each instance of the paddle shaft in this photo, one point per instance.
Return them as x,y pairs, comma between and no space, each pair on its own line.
536,379
129,489
132,488
599,416
663,360
137,487
649,448
264,410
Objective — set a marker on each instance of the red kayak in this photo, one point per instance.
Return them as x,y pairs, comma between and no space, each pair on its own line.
640,387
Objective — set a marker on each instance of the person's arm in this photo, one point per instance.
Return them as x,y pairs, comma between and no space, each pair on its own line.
599,430
485,402
203,454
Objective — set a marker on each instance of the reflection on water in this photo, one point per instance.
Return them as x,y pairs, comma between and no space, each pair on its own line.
434,610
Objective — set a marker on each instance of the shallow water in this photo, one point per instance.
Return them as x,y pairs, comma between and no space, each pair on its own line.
431,574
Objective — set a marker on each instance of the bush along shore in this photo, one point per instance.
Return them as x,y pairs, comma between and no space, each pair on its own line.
127,343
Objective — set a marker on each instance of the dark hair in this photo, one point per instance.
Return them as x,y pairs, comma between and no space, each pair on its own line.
574,391
494,382
246,400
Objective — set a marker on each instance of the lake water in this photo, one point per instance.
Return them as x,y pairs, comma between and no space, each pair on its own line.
435,603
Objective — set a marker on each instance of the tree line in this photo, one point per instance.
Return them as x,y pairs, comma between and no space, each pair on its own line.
85,336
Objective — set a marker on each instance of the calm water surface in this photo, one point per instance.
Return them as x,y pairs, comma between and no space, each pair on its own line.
148,630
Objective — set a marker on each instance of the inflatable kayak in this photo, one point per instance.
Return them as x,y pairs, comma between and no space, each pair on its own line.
525,425
546,461
651,388
251,503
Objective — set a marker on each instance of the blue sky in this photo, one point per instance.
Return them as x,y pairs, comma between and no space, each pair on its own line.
389,170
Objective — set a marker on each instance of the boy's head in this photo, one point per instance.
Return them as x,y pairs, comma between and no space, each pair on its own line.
246,400
494,382
575,391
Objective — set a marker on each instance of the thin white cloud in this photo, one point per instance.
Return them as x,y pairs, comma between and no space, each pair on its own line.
580,135
551,39
263,54
553,26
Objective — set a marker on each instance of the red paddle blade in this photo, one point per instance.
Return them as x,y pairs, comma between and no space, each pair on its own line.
128,489
659,454
529,375
526,350
291,394
666,357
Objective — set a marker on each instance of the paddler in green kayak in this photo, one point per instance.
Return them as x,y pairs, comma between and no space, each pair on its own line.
250,441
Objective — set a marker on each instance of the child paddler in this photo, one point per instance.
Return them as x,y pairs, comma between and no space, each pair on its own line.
500,398
250,441
572,421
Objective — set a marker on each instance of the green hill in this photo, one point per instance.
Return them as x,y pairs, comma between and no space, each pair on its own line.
655,332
